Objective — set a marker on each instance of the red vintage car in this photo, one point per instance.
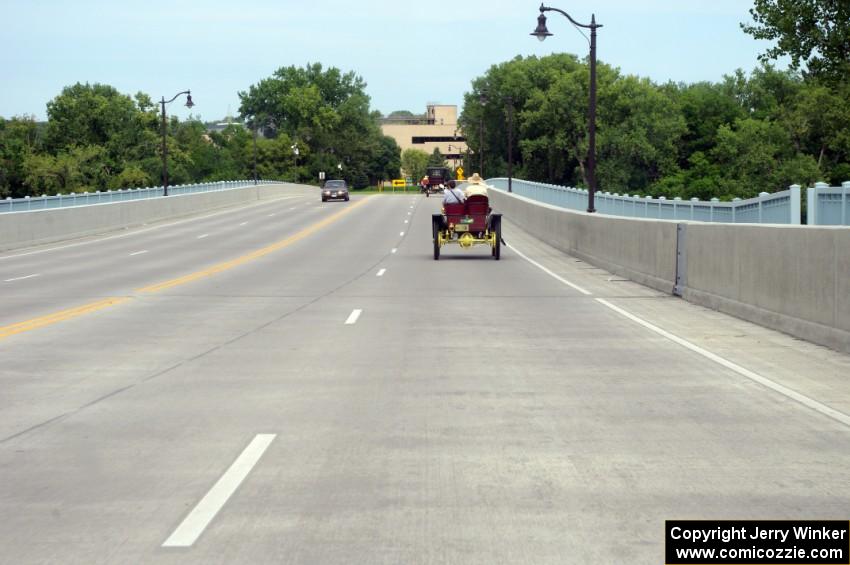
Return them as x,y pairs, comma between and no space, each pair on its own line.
467,224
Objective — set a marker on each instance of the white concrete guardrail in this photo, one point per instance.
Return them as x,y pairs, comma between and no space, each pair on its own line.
795,279
44,202
35,227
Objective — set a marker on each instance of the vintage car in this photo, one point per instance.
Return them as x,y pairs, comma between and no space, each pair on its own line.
438,178
467,224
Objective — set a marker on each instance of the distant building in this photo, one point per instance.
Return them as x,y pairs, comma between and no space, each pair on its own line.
438,129
223,125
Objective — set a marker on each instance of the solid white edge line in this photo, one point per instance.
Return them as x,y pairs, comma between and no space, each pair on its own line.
199,518
548,272
21,278
138,252
755,377
764,381
381,273
352,318
136,232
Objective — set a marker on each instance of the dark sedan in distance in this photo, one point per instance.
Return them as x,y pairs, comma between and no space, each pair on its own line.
335,189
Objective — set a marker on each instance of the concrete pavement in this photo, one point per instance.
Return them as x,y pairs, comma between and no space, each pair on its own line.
476,411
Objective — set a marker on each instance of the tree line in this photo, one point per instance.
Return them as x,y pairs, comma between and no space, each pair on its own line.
97,138
748,133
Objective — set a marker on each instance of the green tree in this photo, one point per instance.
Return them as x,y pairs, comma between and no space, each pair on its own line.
76,169
814,33
414,162
326,112
757,155
18,140
436,159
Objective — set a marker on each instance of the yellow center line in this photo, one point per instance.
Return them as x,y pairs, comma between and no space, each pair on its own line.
41,321
67,314
226,265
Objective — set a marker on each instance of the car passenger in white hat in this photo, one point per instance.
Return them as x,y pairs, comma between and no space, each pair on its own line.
475,186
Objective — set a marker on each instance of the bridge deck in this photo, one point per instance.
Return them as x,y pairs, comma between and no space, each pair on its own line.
534,423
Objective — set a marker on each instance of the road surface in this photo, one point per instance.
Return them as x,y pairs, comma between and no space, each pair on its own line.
299,382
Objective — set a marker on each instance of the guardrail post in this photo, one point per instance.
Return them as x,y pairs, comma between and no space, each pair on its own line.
762,196
795,204
9,200
811,206
818,187
693,199
845,188
711,208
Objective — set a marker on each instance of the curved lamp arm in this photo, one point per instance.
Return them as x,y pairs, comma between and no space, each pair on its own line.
188,94
592,25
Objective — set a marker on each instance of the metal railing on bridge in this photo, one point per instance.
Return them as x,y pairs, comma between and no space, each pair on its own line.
776,208
828,205
103,197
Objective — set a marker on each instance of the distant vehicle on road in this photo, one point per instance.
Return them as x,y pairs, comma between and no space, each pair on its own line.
437,177
335,190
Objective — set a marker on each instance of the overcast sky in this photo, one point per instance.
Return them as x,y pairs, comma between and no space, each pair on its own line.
409,53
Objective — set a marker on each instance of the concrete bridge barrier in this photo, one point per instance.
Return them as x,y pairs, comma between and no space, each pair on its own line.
24,229
795,279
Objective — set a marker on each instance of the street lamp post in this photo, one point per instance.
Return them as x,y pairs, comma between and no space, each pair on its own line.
296,152
255,154
510,102
483,99
256,124
189,104
542,33
454,149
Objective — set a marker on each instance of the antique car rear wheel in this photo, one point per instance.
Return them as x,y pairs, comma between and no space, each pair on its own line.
436,226
496,228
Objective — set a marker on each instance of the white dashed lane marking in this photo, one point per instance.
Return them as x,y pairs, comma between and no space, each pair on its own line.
352,318
21,278
199,518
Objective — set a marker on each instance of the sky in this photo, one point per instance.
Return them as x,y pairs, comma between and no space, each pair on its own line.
409,53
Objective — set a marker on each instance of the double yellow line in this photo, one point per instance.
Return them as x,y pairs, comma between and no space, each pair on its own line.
70,313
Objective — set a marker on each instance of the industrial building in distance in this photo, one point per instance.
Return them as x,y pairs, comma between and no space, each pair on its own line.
437,129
